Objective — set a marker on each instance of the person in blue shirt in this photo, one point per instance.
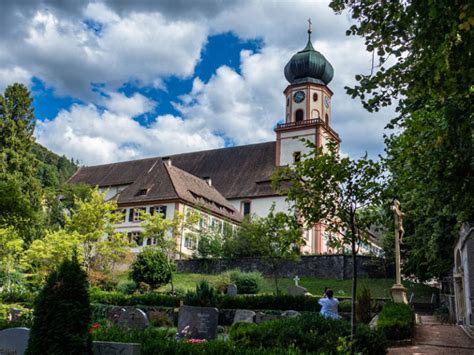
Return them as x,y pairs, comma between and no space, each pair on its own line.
329,305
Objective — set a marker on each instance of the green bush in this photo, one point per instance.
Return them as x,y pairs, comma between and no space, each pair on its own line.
128,287
203,296
364,305
308,333
162,341
62,313
247,282
151,267
120,299
396,321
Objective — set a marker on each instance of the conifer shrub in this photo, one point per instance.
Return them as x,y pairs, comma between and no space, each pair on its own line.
364,305
396,321
151,267
62,313
203,296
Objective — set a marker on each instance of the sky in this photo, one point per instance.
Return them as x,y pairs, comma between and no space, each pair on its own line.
117,80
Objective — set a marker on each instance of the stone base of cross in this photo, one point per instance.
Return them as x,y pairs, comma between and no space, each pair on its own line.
399,294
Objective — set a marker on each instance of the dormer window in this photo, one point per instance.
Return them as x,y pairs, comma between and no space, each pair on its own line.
142,192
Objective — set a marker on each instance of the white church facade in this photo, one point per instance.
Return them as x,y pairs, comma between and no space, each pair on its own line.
227,184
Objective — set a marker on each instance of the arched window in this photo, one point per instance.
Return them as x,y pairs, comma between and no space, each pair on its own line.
314,114
315,97
299,115
326,117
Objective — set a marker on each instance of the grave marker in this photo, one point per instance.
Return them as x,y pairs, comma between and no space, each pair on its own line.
13,341
197,322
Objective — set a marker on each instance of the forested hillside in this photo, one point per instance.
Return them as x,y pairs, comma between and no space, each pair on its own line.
52,169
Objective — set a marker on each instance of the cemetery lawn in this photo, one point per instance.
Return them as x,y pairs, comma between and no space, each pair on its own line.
380,288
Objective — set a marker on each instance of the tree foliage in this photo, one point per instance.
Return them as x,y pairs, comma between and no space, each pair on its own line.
62,313
152,267
93,220
423,58
19,185
340,193
11,248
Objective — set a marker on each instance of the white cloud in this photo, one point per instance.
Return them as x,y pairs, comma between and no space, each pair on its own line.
143,43
132,106
95,136
13,75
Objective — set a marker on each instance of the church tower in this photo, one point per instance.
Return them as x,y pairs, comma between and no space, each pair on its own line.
308,105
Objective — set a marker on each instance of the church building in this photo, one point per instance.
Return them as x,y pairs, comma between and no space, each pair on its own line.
225,185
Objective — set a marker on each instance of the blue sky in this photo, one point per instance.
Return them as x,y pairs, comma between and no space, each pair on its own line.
114,81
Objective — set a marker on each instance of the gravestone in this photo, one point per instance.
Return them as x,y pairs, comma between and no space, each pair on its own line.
197,322
262,317
14,314
244,316
232,290
134,319
291,314
111,348
115,313
13,341
296,291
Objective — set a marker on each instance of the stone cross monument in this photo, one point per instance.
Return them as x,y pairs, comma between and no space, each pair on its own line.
296,279
399,293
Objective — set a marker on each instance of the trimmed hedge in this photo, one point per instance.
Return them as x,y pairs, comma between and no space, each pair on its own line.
396,321
257,302
121,299
307,333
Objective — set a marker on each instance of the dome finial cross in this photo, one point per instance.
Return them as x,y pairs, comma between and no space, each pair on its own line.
309,28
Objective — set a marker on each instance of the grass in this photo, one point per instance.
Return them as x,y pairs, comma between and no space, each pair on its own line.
380,288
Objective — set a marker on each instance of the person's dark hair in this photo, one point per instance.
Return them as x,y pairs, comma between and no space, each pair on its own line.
329,293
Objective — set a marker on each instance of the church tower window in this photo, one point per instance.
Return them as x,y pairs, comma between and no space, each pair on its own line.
326,117
299,115
315,97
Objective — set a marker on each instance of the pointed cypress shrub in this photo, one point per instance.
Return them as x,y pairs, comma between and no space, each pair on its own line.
62,313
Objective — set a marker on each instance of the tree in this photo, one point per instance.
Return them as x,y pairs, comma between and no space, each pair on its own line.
62,313
152,267
17,164
93,220
11,249
276,237
46,254
164,232
424,52
338,193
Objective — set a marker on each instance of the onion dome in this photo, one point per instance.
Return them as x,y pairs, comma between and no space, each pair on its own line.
308,65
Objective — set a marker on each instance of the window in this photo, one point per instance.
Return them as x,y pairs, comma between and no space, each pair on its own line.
287,101
135,237
315,97
245,208
158,209
202,221
299,115
142,192
135,214
296,157
326,117
190,241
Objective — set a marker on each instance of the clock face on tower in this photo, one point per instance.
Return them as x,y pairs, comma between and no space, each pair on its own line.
326,101
298,96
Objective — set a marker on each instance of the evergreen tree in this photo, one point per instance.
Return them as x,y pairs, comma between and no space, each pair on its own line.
17,164
62,314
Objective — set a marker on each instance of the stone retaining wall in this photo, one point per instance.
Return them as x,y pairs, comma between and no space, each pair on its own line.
319,266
